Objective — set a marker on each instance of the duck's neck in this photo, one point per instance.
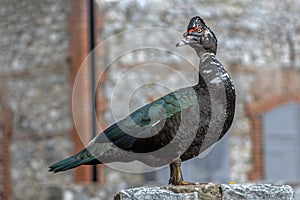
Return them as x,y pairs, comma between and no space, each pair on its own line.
205,68
205,57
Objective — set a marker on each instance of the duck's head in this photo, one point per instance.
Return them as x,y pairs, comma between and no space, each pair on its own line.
199,36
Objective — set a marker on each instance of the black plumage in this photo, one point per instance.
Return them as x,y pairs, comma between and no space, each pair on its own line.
176,127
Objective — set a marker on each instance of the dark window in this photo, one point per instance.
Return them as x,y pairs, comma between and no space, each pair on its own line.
281,147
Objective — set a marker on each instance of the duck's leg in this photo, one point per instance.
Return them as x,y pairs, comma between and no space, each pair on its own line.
176,177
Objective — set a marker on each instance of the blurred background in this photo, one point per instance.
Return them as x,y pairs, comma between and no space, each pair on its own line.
44,43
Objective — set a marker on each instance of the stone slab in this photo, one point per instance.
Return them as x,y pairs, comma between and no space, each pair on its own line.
257,191
209,191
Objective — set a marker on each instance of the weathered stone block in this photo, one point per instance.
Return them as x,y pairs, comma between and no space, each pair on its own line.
210,191
257,191
205,191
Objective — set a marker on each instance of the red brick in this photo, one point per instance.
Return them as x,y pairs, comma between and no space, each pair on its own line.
78,26
6,129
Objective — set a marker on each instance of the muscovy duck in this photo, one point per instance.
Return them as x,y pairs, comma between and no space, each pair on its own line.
174,128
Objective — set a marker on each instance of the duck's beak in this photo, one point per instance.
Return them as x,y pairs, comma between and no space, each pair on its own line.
187,40
183,42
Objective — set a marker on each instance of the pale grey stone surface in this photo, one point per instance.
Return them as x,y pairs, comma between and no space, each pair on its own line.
154,193
204,191
210,191
257,192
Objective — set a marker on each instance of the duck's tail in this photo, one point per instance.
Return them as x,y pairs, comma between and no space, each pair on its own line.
82,158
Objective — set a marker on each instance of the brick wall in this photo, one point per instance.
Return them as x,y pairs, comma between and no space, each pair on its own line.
42,46
34,78
5,134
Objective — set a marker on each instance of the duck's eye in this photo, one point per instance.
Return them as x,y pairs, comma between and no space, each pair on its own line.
197,28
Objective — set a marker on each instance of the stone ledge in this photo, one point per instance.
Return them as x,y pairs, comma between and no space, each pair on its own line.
257,191
209,191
